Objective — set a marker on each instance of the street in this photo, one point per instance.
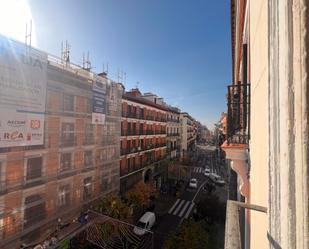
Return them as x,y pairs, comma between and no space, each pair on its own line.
183,206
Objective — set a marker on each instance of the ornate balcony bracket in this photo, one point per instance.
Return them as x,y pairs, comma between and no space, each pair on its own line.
237,153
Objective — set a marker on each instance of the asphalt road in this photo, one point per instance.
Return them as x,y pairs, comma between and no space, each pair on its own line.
181,209
184,205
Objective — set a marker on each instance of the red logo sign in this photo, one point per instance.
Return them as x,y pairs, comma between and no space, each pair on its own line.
35,124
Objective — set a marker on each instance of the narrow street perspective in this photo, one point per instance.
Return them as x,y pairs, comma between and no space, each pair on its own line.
154,124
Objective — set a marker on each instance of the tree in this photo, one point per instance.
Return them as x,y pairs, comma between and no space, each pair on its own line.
211,210
114,207
191,235
141,193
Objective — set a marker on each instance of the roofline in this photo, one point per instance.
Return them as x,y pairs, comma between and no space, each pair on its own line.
144,101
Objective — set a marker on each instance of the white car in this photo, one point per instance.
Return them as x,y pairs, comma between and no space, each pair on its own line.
193,183
216,179
206,172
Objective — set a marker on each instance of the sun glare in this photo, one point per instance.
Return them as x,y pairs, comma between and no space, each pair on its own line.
14,15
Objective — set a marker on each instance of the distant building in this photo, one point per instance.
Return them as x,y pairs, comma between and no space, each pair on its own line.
173,132
143,139
188,133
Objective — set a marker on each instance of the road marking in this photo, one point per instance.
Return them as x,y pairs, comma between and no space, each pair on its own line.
175,204
184,209
179,206
189,210
197,170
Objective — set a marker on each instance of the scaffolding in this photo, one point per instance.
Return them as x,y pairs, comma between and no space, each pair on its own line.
77,164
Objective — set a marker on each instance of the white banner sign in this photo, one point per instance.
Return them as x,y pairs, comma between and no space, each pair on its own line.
22,94
98,118
21,129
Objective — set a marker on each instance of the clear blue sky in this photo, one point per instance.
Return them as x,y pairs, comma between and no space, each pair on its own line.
178,49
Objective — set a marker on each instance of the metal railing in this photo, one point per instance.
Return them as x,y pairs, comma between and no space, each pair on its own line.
141,148
238,113
232,225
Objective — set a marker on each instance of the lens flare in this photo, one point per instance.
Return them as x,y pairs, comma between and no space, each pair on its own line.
14,15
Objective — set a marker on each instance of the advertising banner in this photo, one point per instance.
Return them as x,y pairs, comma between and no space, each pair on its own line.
21,129
98,102
22,94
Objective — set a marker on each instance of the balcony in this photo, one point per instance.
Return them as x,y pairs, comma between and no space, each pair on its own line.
173,134
89,139
136,149
63,173
67,141
232,225
150,132
132,115
173,120
238,118
148,117
237,137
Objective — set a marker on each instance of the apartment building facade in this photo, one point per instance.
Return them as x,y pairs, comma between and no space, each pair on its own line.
143,140
173,131
188,133
267,123
76,160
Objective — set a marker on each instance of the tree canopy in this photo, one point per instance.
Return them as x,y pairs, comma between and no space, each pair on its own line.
141,193
191,235
211,210
114,207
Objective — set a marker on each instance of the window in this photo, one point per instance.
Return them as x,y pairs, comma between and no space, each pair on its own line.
2,180
34,168
105,183
88,160
34,210
68,102
1,218
66,162
89,134
89,106
87,187
67,131
64,195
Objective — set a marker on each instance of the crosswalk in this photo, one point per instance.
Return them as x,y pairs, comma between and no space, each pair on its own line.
198,170
181,208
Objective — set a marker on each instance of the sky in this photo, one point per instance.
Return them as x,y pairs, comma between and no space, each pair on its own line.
177,49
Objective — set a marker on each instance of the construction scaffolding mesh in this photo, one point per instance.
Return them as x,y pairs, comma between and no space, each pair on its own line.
78,162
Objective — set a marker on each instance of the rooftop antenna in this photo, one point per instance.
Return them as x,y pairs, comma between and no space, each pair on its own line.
105,68
86,62
137,83
65,51
28,34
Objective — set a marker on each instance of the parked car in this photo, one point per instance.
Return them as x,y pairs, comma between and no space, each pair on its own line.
206,172
193,183
146,222
216,179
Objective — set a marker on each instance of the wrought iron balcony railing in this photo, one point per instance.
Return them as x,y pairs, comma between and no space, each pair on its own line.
238,113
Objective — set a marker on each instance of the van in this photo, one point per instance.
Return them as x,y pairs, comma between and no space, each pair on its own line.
146,222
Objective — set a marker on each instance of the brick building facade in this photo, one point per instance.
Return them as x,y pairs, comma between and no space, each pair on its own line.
143,139
78,162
